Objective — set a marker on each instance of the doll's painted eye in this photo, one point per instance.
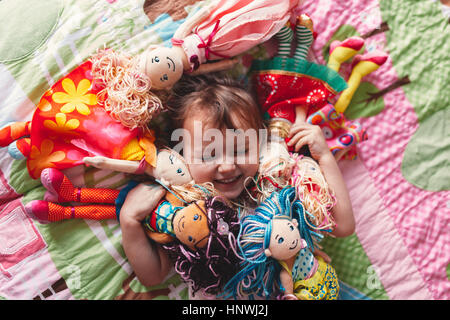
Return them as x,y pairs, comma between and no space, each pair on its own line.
291,227
165,77
190,239
179,170
280,240
156,59
196,217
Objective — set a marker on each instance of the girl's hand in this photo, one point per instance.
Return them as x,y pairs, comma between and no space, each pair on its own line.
140,201
311,135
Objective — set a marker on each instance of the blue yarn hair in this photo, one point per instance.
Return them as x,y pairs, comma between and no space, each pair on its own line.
259,274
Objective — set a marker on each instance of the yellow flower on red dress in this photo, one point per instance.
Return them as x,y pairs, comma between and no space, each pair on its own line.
61,124
44,158
44,105
75,97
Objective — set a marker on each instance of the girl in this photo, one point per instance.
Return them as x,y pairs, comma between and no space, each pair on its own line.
216,103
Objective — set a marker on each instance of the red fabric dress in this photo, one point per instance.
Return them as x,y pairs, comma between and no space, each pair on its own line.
282,83
69,124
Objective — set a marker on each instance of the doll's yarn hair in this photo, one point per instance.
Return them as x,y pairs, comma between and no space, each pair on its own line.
314,192
208,269
126,93
259,274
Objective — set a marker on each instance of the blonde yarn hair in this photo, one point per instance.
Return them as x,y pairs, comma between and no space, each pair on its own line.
314,192
126,96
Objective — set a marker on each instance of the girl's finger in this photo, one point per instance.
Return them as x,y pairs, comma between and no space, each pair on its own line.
302,142
299,128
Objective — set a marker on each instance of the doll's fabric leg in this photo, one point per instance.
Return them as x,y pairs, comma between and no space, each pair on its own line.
284,37
14,131
52,212
304,36
60,189
341,51
362,66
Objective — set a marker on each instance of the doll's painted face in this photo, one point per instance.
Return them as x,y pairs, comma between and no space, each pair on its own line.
285,240
191,226
163,66
171,168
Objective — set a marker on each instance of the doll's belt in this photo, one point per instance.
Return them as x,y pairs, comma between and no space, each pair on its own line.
207,45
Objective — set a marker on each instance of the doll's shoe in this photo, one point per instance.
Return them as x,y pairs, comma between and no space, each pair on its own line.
376,57
353,43
38,209
362,66
45,211
59,188
305,21
20,149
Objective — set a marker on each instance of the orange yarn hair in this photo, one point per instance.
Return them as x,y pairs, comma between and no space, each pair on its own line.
127,94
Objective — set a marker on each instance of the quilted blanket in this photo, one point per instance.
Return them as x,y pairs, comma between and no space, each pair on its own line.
399,184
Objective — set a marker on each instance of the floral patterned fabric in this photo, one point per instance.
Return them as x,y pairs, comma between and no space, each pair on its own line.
69,124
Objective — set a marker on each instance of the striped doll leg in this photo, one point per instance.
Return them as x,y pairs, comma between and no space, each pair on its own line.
304,36
284,37
52,212
60,189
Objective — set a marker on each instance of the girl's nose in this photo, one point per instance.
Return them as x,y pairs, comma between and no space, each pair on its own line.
226,167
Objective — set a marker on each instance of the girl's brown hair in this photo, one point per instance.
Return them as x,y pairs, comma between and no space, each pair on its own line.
219,96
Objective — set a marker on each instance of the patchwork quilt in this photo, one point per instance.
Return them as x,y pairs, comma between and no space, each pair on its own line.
399,184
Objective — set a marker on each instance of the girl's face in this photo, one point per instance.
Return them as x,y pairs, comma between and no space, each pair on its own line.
224,157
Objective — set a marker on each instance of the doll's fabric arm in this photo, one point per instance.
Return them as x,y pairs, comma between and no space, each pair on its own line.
116,164
288,284
220,65
189,24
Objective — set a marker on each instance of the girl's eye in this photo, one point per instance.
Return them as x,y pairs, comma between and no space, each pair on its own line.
280,240
195,217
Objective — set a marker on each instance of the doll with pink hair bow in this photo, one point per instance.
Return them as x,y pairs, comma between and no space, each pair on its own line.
219,31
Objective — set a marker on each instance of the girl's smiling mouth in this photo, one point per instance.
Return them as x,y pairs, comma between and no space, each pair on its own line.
228,181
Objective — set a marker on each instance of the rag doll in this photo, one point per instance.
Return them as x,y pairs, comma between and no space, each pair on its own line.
279,169
170,170
293,90
195,226
277,246
219,31
101,108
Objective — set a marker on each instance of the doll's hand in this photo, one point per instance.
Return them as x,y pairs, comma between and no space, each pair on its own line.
311,135
140,201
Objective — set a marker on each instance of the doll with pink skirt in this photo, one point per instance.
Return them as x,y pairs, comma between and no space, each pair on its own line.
103,106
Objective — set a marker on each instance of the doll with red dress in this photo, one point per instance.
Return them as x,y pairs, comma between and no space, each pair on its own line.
292,90
103,107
